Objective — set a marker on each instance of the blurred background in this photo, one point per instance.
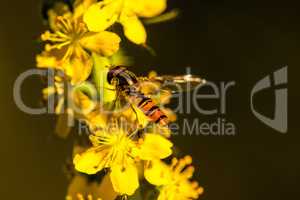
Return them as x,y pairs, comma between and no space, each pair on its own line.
241,41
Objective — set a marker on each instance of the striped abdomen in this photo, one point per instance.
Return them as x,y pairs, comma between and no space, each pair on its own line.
151,110
127,81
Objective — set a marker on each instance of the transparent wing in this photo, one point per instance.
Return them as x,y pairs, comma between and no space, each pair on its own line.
176,84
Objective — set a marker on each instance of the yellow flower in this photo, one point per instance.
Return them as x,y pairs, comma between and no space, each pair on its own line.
119,152
112,151
68,42
105,13
173,181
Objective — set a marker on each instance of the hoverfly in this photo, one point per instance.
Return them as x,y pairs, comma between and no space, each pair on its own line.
128,85
127,82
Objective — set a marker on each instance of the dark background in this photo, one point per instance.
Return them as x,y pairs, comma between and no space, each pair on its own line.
240,41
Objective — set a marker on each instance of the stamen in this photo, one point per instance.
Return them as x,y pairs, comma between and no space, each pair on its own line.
68,53
64,22
188,160
174,162
195,184
62,35
188,172
180,165
54,37
80,196
200,190
49,47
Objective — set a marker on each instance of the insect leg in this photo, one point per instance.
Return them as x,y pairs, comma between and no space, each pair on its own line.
136,115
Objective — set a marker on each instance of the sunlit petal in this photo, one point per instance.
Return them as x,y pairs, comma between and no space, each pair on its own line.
157,173
104,43
100,16
134,30
81,6
155,146
149,8
79,67
89,162
124,179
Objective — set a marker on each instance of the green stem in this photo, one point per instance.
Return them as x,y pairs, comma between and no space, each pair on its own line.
106,92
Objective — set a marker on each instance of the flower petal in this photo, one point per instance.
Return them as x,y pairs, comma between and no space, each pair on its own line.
155,147
46,61
157,173
79,67
100,16
81,6
124,179
163,195
104,43
51,58
89,162
134,30
149,8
